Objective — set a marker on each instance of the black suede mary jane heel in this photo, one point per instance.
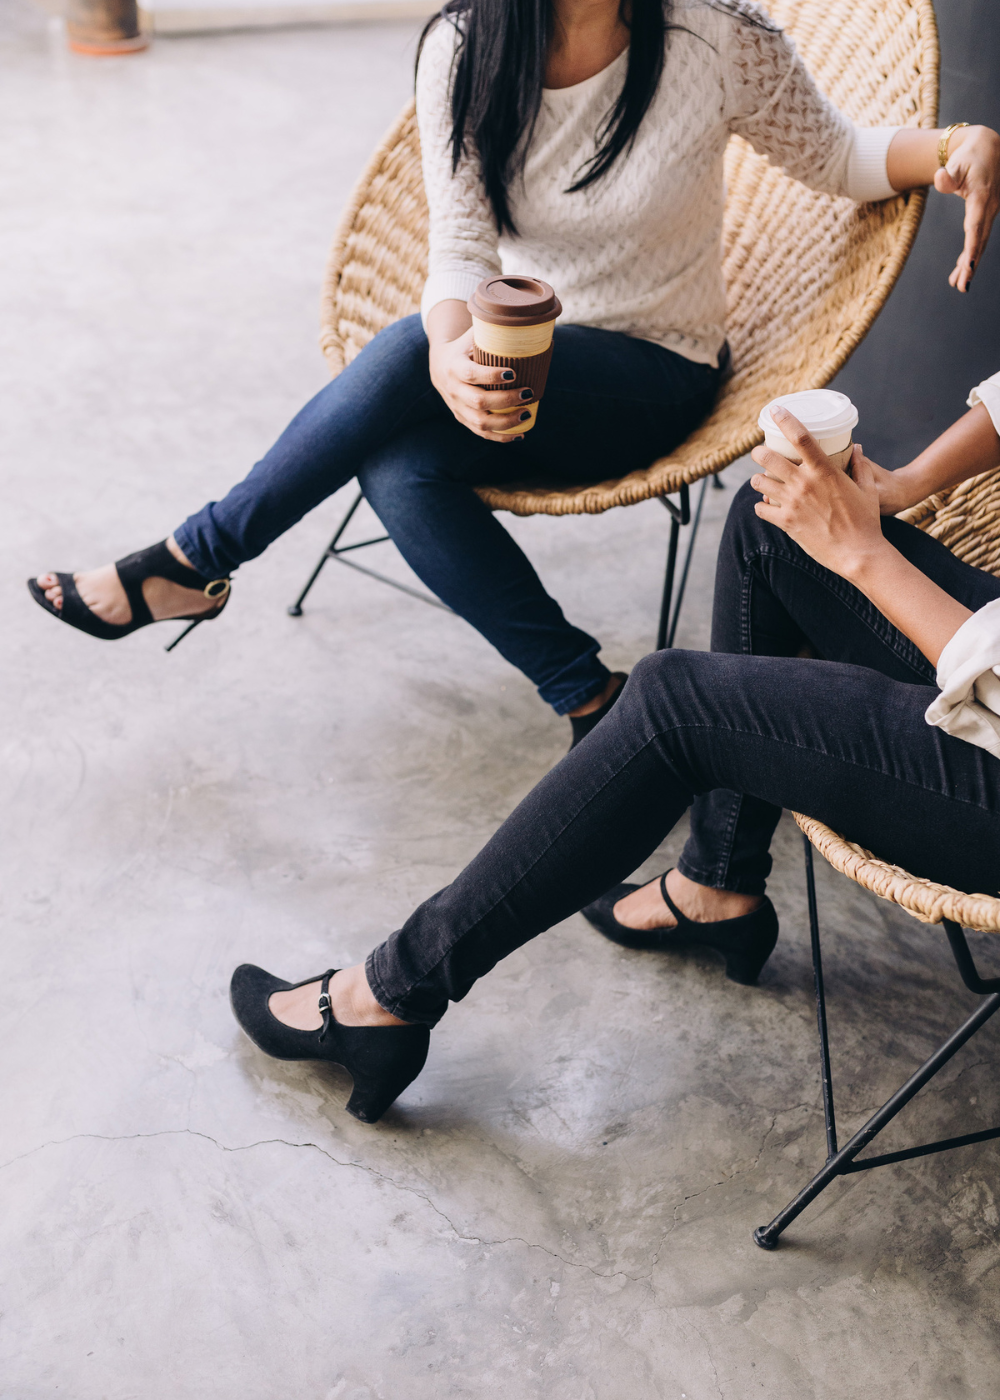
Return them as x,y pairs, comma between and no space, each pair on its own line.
133,570
745,943
382,1060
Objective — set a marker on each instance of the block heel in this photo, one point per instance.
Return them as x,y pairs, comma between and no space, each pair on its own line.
745,943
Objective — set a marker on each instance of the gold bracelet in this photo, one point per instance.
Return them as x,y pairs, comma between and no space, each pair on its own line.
943,143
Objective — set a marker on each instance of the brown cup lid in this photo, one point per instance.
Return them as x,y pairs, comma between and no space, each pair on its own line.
514,301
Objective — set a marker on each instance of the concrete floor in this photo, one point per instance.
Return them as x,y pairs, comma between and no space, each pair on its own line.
562,1204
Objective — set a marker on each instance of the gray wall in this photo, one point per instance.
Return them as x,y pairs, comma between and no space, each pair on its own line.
911,376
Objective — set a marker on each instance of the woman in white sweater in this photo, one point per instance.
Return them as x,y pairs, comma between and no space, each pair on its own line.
892,738
580,141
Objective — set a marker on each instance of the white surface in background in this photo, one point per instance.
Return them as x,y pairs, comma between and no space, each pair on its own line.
195,16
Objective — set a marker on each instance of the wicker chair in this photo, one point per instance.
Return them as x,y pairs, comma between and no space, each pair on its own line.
966,520
806,274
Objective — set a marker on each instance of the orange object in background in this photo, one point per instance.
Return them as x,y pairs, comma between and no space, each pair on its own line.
104,27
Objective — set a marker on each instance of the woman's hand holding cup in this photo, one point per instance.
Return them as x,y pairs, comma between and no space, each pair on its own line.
832,514
459,381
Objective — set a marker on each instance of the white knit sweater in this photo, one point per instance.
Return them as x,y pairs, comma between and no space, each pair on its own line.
640,251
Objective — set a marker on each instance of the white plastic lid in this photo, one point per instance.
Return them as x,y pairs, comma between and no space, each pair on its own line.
822,412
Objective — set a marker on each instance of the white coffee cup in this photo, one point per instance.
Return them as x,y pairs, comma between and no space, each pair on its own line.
829,416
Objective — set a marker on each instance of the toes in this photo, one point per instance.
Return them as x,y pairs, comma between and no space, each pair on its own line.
54,594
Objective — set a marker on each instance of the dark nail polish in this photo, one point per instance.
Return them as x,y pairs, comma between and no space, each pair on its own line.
525,416
509,374
527,394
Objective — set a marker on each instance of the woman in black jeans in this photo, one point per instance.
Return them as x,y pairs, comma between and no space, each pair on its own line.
859,740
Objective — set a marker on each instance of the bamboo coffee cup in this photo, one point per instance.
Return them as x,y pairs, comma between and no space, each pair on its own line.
513,319
829,416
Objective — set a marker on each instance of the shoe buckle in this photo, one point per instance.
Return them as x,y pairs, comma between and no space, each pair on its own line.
324,1003
217,589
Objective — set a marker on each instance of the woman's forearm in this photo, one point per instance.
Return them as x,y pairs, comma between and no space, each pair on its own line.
911,601
448,320
968,448
913,156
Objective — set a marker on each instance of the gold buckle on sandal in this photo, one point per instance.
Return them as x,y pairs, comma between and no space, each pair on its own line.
217,589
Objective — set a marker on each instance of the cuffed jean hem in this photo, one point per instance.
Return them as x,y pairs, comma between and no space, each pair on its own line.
396,1006
185,544
745,884
583,693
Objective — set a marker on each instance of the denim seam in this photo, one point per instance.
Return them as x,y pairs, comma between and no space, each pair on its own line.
726,852
822,576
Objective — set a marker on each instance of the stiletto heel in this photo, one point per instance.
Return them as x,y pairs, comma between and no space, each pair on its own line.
382,1060
189,628
133,570
745,943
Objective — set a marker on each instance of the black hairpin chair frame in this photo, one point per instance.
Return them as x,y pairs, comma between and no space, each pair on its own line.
843,1161
680,515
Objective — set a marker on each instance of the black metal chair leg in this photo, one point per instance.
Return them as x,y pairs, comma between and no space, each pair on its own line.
672,630
336,551
680,514
842,1162
668,585
824,1037
295,610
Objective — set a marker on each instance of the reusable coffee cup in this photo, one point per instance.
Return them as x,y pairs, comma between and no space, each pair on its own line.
513,319
829,416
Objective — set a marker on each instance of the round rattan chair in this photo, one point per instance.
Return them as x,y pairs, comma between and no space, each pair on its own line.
806,274
967,520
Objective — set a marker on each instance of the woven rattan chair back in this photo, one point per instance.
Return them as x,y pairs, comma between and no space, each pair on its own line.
806,274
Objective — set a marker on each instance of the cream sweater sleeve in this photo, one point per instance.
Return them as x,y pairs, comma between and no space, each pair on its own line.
969,676
462,236
969,667
774,103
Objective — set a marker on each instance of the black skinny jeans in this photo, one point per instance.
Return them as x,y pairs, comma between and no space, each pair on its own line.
740,733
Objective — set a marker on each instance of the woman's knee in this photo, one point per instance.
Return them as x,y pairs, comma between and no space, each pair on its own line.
659,682
406,332
398,351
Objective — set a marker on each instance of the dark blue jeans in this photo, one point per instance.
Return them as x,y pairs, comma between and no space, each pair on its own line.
739,735
612,404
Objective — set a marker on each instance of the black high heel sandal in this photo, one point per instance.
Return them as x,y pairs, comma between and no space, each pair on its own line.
745,943
382,1060
133,570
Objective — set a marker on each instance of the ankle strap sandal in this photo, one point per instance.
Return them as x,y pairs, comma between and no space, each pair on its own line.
154,562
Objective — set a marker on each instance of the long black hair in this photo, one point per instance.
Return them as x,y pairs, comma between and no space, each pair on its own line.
499,72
